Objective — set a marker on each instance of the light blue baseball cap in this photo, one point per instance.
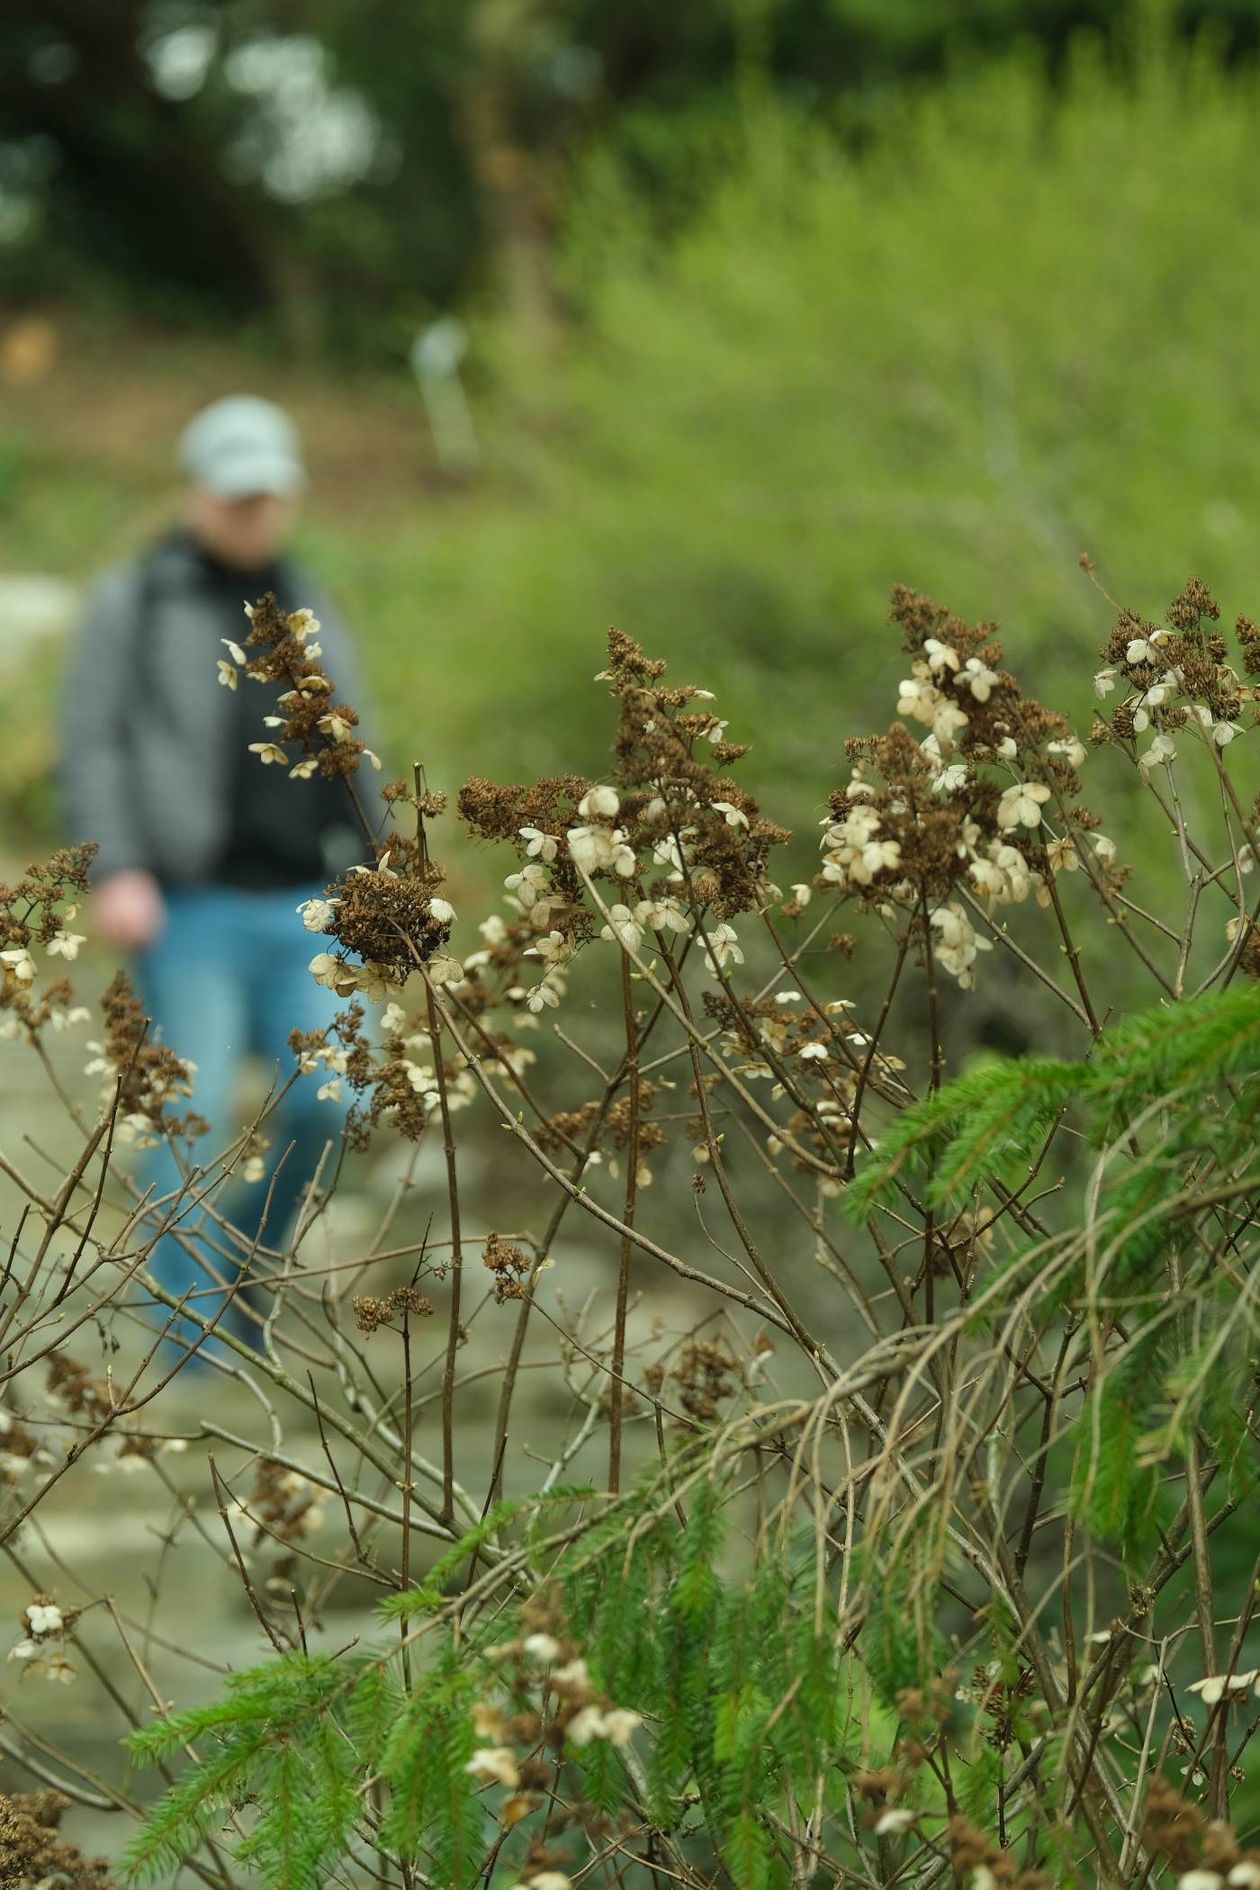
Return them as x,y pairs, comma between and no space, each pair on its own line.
241,446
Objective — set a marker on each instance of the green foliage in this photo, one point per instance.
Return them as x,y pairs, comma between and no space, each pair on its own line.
980,1129
1155,1088
430,1594
744,1699
1167,1103
433,1801
267,1740
695,1592
1161,1052
1113,1491
842,358
901,1644
298,1739
748,1852
373,1705
308,1799
979,1787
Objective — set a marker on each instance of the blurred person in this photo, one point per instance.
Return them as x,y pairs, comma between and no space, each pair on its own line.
205,854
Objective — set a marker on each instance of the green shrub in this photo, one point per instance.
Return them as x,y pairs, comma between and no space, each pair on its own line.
1011,328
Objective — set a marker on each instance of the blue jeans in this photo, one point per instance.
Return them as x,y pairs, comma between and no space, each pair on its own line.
229,978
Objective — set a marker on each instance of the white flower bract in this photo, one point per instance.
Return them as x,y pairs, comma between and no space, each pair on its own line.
539,845
1021,805
1161,751
957,946
497,1765
1219,1686
316,913
591,848
940,656
895,1819
623,927
979,678
722,947
599,803
541,1647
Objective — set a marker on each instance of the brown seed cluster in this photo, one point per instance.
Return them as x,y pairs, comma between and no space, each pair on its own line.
498,813
31,907
567,1129
680,828
671,843
385,917
879,1784
371,1313
816,1054
285,1501
1175,1829
394,1099
148,1074
970,1850
660,760
400,1089
1003,1704
1248,634
924,1711
74,1387
18,1445
699,1380
1247,946
31,1852
509,1265
571,1128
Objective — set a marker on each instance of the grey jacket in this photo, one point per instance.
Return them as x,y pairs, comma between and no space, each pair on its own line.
147,728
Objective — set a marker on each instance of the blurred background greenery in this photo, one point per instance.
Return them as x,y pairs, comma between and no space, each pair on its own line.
765,305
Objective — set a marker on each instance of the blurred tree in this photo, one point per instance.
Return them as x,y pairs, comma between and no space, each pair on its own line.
132,178
340,173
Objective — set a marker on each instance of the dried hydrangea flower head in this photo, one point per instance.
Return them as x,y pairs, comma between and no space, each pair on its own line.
280,648
1177,675
943,827
37,917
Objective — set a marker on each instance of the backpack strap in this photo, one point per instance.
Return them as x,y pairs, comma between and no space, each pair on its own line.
146,697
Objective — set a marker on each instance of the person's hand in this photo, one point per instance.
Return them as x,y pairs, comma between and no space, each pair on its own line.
129,910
